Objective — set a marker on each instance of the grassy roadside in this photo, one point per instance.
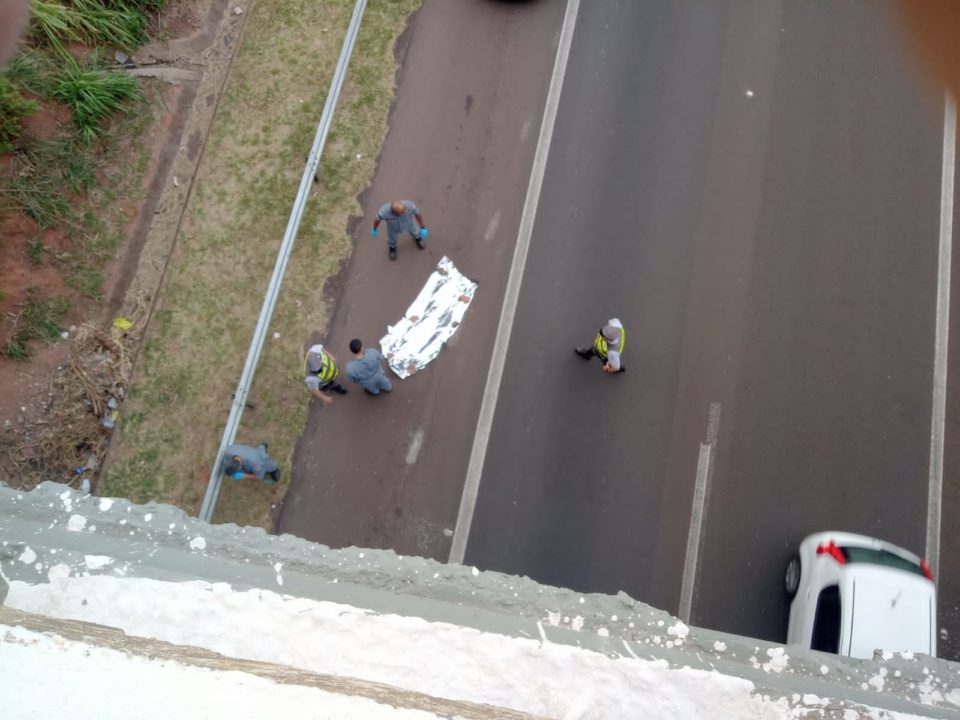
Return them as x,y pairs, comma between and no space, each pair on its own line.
206,312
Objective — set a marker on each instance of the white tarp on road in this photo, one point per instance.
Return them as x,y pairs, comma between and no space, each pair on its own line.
430,321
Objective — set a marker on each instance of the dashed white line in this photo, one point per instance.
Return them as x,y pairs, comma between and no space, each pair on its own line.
481,438
701,495
416,442
492,227
938,420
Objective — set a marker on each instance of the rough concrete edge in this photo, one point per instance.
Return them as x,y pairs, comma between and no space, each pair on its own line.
110,638
162,542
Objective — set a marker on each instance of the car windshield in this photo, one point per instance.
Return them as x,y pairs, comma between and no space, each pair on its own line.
880,557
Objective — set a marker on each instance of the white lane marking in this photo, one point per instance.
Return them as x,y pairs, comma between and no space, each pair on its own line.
525,130
492,227
935,485
481,438
701,496
416,442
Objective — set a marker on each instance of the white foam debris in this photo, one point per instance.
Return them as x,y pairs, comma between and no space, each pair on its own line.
27,556
577,623
106,504
198,543
474,571
148,517
603,632
76,523
97,562
778,660
553,618
720,646
876,682
60,571
679,630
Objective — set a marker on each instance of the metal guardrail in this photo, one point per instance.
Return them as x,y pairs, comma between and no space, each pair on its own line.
279,269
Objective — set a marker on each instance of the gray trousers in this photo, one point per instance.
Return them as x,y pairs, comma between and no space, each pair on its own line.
392,235
377,384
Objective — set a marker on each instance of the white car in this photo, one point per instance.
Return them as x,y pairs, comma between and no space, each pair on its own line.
853,594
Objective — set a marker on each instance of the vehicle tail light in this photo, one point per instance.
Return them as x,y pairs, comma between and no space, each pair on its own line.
926,570
833,551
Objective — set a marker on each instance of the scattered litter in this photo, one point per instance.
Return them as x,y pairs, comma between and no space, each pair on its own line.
238,10
432,319
71,430
122,324
64,334
749,93
176,181
276,336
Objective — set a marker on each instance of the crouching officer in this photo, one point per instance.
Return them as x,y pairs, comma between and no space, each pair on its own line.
608,346
320,371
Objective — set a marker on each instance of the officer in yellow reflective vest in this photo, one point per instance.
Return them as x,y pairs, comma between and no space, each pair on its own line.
608,346
320,371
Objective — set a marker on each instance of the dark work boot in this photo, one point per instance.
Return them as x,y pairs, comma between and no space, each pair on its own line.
419,241
392,252
585,353
339,389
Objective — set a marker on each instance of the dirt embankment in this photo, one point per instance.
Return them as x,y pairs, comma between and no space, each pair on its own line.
53,404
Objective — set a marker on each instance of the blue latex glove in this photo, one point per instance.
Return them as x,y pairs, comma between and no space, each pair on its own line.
238,475
423,232
373,232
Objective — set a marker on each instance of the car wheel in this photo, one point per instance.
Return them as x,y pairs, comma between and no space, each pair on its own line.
791,578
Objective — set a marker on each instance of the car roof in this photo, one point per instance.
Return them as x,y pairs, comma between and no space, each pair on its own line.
887,609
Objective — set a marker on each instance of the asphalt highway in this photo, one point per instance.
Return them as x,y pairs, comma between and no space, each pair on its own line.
388,471
753,187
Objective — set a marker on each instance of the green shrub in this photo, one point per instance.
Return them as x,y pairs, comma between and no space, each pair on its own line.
147,7
87,21
51,169
13,108
92,94
38,319
33,71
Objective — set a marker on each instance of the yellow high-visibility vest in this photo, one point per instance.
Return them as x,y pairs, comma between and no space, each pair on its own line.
328,368
601,343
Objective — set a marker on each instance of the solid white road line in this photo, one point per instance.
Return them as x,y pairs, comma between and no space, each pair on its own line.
701,493
935,484
481,438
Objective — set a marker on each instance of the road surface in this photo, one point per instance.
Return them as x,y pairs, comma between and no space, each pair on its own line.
754,188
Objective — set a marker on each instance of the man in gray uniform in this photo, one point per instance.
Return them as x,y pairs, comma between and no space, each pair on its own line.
399,217
367,369
242,461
